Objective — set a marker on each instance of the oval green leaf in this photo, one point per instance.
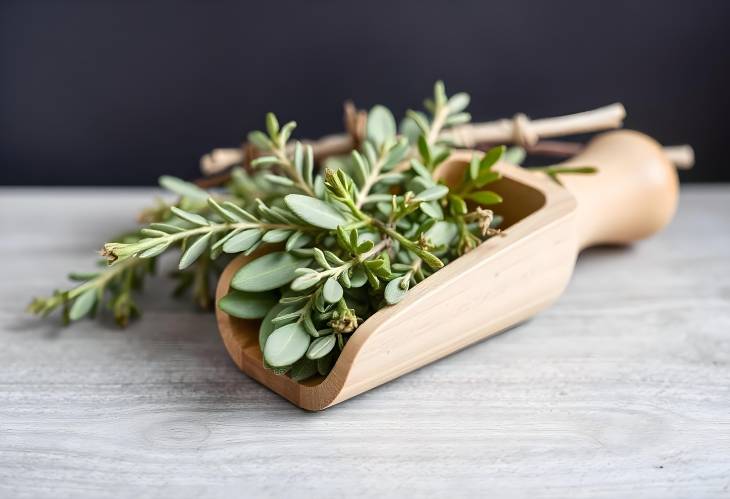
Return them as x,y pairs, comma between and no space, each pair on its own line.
83,305
433,193
303,369
484,197
242,241
268,272
247,305
314,212
380,125
321,347
194,251
183,188
394,291
332,290
286,345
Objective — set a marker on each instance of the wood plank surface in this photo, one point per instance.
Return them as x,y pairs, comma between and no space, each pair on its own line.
622,389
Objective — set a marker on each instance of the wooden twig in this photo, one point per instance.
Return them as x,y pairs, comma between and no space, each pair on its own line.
519,130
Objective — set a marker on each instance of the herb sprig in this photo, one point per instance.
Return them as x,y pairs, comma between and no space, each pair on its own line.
342,241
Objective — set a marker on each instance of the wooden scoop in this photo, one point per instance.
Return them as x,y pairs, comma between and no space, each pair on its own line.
506,280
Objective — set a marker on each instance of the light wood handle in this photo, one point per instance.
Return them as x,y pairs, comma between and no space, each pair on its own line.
633,195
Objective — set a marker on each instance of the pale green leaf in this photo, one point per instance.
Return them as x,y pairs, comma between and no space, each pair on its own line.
381,125
484,197
314,211
83,305
267,272
395,290
183,188
332,290
242,241
193,218
286,345
321,347
247,305
194,251
433,193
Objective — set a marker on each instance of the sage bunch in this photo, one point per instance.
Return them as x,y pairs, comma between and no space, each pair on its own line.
330,243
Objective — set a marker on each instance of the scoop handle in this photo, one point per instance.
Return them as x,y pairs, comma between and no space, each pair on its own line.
633,195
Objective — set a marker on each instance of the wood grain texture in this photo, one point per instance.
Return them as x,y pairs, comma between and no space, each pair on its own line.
622,388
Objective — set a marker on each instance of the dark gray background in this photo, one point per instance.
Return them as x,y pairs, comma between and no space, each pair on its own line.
120,92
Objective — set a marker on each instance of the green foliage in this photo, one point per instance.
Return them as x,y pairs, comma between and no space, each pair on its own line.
337,243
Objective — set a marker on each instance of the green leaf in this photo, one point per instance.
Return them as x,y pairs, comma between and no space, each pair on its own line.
194,251
267,272
314,211
442,233
433,193
432,209
242,241
473,170
247,305
484,197
267,326
332,290
492,157
458,205
276,235
193,218
381,125
286,345
515,155
303,369
154,250
321,347
395,291
458,102
272,125
430,260
358,277
260,140
83,305
487,177
183,188
424,149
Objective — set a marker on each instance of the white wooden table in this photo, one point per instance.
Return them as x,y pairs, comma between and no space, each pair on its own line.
620,390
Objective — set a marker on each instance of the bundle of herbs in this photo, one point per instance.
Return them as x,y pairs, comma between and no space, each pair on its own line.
333,244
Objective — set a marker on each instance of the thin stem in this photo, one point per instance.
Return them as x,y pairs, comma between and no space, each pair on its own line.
371,180
291,170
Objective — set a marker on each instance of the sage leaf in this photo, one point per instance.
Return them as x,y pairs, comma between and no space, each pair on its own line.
458,102
332,290
194,251
82,305
381,125
484,197
432,209
193,218
442,233
242,241
286,345
268,272
154,250
492,157
433,193
276,236
246,305
267,325
183,188
314,211
394,291
303,369
321,347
